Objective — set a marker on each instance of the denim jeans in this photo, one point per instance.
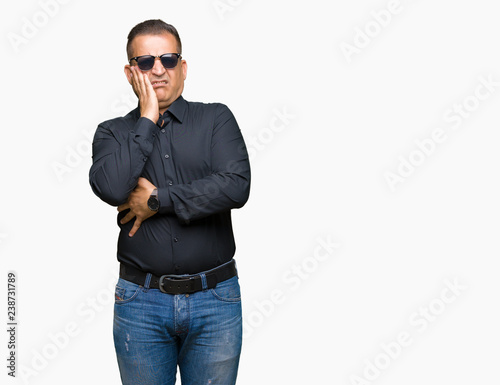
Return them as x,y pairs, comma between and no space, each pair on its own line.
199,332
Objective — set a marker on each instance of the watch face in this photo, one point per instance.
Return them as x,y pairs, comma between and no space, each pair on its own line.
153,203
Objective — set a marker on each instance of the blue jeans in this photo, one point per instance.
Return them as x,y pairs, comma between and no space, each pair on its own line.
200,332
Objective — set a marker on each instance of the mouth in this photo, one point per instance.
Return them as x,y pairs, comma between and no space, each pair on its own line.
157,84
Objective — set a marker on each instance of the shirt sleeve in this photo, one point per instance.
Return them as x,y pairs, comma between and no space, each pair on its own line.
118,159
228,185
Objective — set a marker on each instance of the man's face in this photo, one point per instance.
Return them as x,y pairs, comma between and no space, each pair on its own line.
167,83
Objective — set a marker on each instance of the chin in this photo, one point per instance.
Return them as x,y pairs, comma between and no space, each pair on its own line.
162,94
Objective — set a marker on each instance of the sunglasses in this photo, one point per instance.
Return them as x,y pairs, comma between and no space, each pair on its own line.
146,62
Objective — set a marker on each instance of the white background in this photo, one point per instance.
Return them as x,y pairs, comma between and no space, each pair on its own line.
355,118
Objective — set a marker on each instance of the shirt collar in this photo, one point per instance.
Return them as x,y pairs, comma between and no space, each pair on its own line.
178,108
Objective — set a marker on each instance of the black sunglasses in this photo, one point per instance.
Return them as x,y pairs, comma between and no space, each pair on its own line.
146,62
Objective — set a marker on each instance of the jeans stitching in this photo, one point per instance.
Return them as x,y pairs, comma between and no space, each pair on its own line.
122,293
217,296
223,299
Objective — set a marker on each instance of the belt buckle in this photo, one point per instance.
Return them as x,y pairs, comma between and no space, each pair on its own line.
178,284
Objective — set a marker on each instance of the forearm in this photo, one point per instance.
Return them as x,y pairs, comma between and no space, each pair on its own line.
119,159
204,197
225,188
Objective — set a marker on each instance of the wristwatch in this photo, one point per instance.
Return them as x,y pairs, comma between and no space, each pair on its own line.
153,202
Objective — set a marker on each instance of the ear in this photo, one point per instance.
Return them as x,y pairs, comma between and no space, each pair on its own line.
128,73
184,69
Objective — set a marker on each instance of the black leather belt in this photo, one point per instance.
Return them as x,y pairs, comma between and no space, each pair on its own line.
176,284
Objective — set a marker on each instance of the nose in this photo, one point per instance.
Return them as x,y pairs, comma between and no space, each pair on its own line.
158,68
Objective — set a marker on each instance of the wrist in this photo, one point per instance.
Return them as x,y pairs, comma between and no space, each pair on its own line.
152,117
153,202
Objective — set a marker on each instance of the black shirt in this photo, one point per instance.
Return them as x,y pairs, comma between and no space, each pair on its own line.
196,157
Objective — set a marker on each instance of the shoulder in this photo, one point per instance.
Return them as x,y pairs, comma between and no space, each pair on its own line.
214,110
121,123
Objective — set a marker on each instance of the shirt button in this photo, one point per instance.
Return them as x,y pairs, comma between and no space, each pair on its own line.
144,159
176,239
170,183
163,130
167,156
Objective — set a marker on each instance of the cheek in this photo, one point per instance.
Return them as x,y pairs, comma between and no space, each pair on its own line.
177,76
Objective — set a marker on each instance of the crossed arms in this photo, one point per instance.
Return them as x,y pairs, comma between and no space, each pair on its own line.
120,155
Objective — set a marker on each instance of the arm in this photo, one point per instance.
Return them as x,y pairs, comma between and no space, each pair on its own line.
227,186
118,160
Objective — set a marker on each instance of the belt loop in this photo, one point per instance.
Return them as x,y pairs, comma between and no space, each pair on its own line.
148,281
204,285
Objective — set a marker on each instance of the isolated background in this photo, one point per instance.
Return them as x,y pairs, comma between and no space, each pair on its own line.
321,177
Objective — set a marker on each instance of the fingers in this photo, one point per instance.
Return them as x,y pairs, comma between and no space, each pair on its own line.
143,78
142,82
147,96
149,93
123,207
136,226
130,215
137,82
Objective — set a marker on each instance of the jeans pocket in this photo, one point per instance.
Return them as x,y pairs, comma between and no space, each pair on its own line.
126,291
228,290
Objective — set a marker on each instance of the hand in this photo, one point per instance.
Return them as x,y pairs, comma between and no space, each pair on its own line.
144,90
138,204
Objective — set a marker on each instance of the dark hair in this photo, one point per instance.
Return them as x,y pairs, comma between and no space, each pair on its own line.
152,27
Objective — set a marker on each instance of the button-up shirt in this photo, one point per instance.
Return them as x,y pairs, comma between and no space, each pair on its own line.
196,157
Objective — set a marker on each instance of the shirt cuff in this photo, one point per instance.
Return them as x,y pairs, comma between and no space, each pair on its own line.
145,129
166,204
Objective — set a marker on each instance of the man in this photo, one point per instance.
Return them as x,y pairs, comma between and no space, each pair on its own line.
175,169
